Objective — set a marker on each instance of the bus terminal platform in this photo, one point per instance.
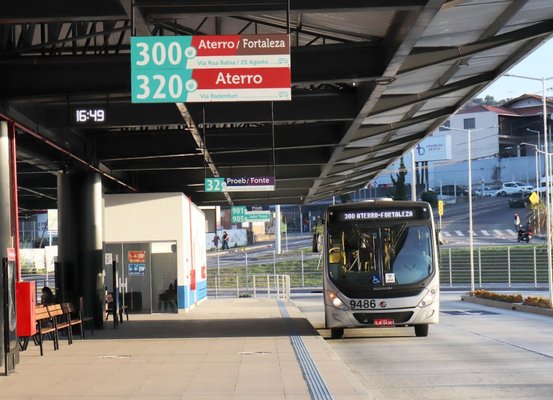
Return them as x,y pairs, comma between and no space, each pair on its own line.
240,348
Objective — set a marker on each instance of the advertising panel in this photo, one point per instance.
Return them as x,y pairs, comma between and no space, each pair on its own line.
434,148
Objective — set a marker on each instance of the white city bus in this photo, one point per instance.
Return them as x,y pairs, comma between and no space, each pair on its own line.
381,266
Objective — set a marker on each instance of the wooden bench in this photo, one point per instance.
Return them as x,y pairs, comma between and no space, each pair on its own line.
73,317
60,322
45,326
110,308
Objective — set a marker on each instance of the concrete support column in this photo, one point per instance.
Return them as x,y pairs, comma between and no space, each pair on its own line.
5,221
278,219
80,240
5,190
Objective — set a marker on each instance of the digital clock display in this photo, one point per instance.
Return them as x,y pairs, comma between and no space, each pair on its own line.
89,115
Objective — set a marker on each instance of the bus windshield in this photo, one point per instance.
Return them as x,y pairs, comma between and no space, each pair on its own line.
364,257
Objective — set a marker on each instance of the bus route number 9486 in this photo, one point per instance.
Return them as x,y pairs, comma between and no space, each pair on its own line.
362,304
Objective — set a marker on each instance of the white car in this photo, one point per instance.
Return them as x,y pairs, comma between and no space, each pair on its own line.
542,187
508,188
489,191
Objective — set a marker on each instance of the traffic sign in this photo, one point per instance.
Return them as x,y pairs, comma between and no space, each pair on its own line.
534,198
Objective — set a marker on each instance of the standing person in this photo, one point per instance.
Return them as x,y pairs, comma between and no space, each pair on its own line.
225,241
215,241
47,297
516,219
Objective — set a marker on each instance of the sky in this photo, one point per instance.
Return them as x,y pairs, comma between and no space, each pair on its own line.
538,64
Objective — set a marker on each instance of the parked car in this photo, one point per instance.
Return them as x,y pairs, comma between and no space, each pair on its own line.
519,200
508,188
451,190
542,187
489,191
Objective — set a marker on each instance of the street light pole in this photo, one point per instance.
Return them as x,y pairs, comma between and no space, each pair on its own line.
413,176
471,231
547,182
548,196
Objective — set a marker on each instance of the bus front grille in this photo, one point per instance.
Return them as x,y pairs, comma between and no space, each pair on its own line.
398,317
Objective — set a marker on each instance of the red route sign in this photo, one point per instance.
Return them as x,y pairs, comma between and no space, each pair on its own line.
239,45
240,78
136,256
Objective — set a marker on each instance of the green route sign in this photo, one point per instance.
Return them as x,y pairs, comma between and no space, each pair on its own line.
214,184
241,214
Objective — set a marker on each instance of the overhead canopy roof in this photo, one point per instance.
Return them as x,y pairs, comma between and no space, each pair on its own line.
369,80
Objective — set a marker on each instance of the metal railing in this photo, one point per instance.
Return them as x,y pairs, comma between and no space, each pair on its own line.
510,266
250,285
243,274
303,267
505,266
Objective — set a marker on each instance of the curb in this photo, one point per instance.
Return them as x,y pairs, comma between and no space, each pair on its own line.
548,312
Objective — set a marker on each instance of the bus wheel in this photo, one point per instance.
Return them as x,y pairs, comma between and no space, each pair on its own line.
421,330
337,333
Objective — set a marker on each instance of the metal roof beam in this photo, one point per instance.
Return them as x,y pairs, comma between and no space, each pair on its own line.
391,102
401,39
176,8
27,11
425,57
367,131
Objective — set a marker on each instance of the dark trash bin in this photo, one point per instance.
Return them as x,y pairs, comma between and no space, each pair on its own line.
133,300
250,237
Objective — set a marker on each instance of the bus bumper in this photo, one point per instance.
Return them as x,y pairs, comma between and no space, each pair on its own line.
394,316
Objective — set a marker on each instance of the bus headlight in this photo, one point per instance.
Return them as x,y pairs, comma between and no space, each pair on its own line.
429,298
335,301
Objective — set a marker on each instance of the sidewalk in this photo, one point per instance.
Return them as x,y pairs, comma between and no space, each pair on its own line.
222,349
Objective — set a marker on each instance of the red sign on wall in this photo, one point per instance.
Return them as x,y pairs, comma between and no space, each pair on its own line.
136,256
193,279
11,253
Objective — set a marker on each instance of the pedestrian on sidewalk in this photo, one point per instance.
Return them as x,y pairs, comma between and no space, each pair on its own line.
516,219
215,241
225,241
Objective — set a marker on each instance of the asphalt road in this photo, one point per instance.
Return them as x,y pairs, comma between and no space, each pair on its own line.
475,352
492,221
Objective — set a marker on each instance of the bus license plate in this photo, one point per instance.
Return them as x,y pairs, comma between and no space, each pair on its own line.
384,322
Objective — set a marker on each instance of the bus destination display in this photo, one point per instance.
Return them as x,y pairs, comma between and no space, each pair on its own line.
377,214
